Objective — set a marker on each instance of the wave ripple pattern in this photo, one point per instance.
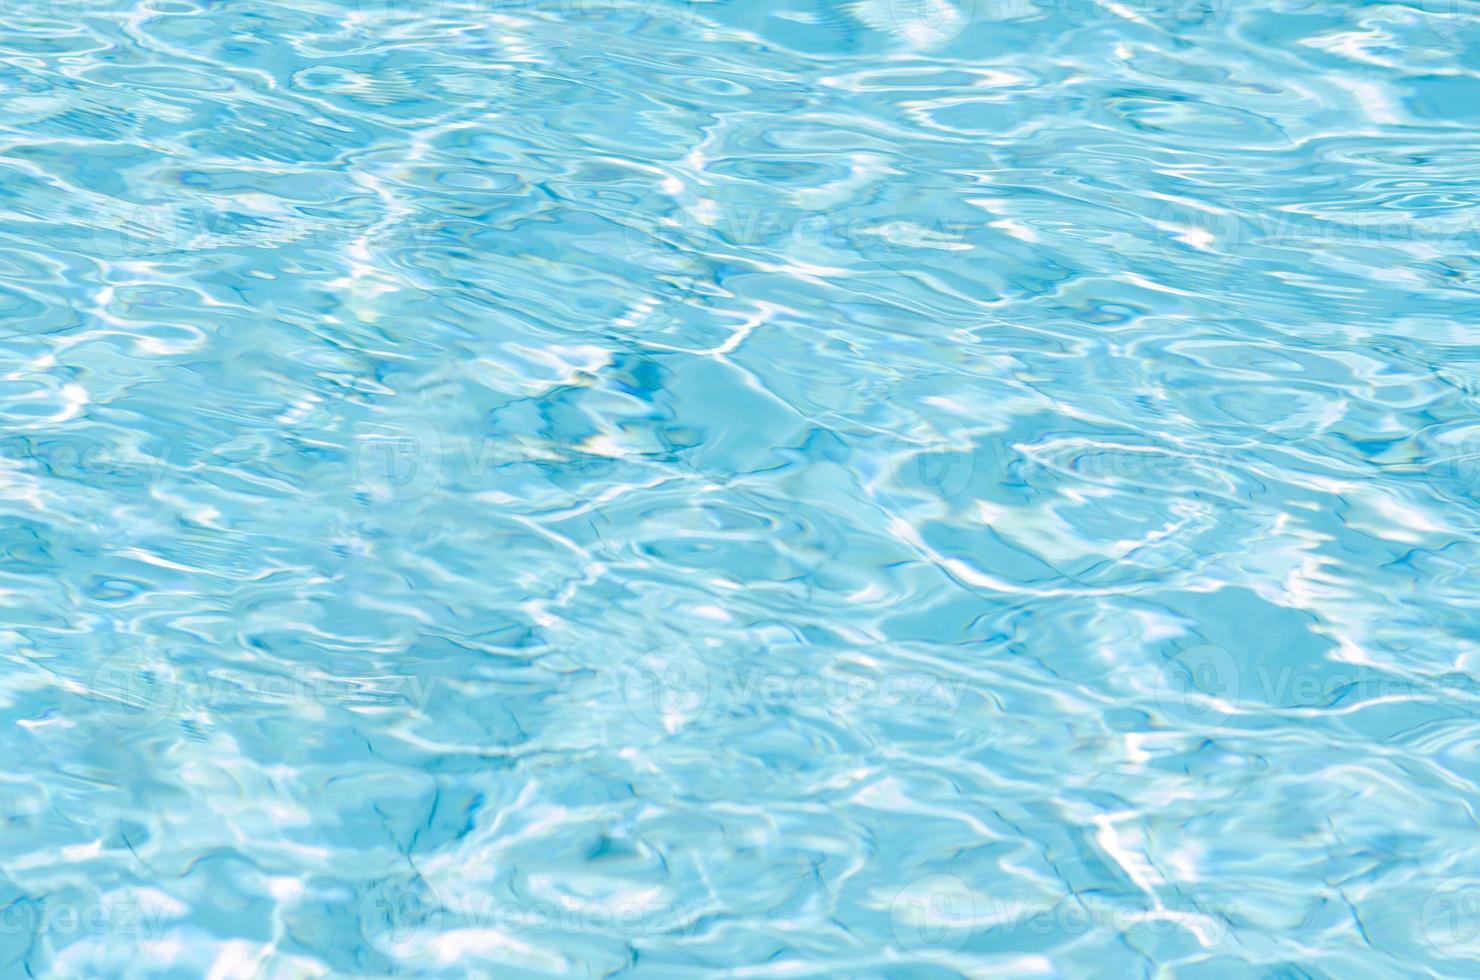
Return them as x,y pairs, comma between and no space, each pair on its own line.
745,488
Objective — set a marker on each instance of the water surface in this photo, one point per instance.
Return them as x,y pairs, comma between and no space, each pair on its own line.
776,488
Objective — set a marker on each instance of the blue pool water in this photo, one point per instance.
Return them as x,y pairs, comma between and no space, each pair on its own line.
782,488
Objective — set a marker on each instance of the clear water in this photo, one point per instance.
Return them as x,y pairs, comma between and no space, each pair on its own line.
775,488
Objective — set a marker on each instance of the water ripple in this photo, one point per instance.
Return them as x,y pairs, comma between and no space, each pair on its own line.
680,487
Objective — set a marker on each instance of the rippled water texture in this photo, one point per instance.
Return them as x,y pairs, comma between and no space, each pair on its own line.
903,488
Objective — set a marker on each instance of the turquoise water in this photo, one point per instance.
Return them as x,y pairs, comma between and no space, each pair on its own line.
781,488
